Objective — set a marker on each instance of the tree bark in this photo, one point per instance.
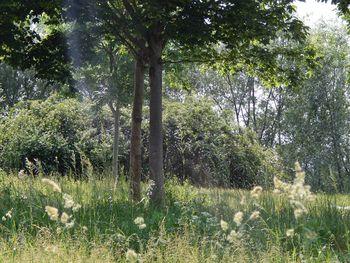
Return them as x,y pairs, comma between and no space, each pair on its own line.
116,117
135,147
156,138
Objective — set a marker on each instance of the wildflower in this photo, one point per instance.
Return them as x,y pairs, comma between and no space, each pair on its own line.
139,220
52,212
255,215
9,214
224,225
54,186
232,236
65,218
142,226
256,192
238,218
68,201
3,218
131,256
290,232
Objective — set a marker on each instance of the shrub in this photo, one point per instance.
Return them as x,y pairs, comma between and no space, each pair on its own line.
204,147
56,132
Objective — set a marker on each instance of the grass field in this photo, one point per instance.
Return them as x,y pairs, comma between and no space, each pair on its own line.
197,225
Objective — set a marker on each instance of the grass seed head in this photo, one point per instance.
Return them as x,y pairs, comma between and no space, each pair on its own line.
139,220
255,215
224,225
68,201
54,186
256,192
290,232
52,212
238,218
131,256
64,218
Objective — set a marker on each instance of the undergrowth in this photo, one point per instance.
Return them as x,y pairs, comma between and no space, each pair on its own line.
64,220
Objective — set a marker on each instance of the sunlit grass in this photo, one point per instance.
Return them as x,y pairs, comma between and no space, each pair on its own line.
188,229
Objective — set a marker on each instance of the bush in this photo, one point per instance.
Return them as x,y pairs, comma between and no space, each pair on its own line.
57,132
204,147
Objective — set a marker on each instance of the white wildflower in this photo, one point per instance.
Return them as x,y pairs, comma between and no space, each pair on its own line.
9,214
3,218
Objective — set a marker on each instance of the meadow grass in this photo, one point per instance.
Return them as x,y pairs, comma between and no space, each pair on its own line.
196,225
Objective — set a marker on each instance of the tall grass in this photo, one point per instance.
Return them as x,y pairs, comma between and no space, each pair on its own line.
196,225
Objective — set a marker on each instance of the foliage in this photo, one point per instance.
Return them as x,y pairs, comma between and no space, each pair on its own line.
315,120
22,45
55,132
16,85
203,146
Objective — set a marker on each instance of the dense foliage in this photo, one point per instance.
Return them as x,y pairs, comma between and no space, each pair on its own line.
205,147
56,134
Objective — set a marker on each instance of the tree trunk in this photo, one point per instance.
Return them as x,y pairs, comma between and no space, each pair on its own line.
135,147
156,138
116,117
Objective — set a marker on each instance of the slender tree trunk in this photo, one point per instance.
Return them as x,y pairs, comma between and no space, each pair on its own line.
156,138
135,147
116,117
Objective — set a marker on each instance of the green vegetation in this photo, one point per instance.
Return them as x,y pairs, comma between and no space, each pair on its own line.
173,131
196,225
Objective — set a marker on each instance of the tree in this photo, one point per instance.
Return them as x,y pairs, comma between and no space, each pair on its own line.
16,85
106,76
146,27
21,45
315,118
